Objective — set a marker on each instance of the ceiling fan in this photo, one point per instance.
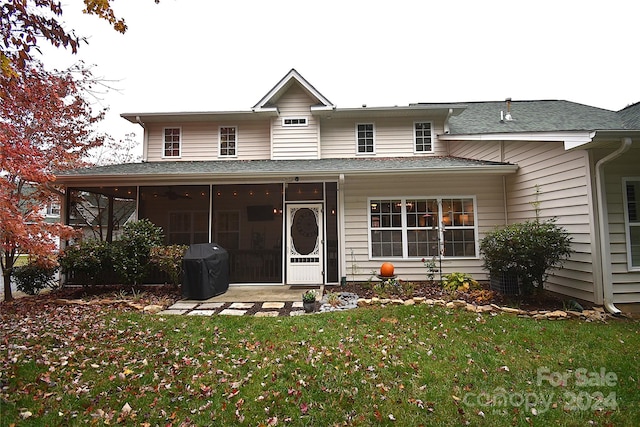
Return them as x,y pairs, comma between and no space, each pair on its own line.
171,194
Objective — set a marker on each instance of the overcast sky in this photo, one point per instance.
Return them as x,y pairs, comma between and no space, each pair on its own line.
211,55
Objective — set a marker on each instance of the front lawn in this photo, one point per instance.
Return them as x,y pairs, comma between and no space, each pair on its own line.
420,365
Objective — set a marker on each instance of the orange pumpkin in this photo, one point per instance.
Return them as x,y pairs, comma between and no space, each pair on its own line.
386,269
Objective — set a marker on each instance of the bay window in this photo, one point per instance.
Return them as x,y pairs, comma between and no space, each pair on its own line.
422,227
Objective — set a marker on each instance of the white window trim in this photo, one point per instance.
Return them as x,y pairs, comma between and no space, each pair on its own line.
415,142
164,129
373,125
220,142
627,223
404,228
306,121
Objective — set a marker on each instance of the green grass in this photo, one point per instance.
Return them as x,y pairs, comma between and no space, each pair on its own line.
391,366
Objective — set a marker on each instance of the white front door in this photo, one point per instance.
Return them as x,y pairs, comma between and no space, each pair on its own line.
304,244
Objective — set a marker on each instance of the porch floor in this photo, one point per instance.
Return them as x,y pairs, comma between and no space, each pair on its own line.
260,293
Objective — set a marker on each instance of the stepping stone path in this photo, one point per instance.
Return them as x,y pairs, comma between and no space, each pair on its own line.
349,301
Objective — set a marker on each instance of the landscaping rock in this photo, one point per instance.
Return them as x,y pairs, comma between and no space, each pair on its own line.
153,309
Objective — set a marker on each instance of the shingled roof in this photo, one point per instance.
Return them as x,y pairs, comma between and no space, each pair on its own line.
248,168
539,116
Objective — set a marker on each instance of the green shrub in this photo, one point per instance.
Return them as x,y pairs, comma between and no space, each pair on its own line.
33,277
453,282
92,260
526,249
126,260
132,253
169,260
394,287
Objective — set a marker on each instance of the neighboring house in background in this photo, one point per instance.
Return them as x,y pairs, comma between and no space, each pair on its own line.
100,216
302,192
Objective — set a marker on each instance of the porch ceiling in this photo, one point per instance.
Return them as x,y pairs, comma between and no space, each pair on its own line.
248,169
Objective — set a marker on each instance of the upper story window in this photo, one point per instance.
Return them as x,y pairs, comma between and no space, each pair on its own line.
53,209
172,140
294,121
365,137
228,140
422,137
632,219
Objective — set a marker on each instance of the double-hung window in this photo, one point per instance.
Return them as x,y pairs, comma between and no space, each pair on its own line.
422,137
632,220
228,141
422,227
365,138
172,142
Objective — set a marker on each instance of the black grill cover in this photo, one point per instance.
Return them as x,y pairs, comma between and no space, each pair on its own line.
205,271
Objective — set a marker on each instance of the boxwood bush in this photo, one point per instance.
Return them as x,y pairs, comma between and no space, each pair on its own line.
527,249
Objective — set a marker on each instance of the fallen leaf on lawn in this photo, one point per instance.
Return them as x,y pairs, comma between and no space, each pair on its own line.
126,408
503,369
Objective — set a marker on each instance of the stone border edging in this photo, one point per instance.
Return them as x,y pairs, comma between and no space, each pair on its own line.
597,314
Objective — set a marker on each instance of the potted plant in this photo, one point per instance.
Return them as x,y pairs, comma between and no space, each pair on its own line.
309,301
519,255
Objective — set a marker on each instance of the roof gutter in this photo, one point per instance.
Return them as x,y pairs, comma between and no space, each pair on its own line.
180,177
603,223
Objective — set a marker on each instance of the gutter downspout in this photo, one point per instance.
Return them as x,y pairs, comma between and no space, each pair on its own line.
145,139
605,250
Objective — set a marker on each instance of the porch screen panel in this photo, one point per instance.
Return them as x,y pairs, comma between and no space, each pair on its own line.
248,223
181,210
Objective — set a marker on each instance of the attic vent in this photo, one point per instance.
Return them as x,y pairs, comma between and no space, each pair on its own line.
294,121
506,117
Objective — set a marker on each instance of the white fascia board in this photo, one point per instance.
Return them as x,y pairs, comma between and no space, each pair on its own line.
570,139
205,178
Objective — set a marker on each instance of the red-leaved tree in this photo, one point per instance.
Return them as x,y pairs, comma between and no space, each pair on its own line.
46,125
25,23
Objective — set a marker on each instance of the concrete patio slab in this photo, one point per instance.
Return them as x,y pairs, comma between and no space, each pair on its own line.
201,313
210,305
262,293
242,305
184,305
272,305
172,312
232,312
267,314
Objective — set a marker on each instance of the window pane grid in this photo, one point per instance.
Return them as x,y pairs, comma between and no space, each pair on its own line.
364,136
172,142
227,141
423,136
411,228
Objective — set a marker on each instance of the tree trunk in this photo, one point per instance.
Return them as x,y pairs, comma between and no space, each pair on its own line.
6,276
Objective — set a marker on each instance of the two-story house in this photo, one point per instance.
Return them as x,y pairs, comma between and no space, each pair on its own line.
300,191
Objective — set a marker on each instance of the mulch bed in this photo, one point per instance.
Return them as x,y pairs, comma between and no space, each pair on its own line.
167,295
